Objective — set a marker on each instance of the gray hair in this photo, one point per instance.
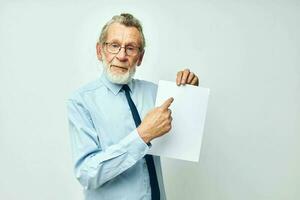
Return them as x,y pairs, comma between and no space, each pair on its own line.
125,19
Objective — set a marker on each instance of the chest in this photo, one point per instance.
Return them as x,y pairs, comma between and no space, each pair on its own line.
112,117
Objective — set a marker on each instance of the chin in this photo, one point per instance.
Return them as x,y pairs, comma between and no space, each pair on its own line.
118,77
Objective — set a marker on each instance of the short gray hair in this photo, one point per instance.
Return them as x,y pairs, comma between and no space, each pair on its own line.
125,19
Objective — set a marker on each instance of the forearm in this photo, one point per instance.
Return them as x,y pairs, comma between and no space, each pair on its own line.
96,168
94,164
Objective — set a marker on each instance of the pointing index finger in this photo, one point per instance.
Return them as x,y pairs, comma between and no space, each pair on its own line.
167,103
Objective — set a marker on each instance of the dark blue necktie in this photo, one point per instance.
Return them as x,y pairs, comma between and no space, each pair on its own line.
149,158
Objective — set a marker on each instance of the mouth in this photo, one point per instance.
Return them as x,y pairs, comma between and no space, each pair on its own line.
119,68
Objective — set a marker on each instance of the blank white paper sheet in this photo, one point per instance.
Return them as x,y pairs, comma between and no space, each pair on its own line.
188,112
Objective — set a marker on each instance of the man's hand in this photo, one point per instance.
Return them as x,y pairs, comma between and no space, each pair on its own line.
157,122
187,77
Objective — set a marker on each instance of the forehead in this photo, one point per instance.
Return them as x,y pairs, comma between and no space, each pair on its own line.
123,34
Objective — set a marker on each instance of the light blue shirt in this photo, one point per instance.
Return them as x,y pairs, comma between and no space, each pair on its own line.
108,153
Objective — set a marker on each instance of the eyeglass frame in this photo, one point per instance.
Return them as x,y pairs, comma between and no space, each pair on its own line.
120,47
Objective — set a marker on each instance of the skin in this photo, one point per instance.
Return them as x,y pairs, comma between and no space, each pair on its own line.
157,121
120,63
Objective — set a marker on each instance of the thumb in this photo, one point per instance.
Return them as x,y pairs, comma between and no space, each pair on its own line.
167,103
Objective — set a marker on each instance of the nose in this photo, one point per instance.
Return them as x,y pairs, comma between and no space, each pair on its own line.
122,55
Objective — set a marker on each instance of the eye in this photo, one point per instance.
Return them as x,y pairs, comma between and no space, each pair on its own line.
130,48
115,45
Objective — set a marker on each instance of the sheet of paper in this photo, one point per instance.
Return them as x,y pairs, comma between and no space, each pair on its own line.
188,112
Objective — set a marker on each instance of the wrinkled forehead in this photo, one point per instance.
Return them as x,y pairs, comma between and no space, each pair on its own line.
123,34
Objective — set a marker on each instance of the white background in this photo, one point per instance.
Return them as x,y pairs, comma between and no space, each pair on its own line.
246,52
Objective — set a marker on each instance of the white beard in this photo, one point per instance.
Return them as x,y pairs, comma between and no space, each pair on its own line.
118,78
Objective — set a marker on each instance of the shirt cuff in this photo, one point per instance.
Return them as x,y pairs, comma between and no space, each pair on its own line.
136,146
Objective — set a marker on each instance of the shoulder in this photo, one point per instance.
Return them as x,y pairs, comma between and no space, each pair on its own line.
146,85
146,88
92,86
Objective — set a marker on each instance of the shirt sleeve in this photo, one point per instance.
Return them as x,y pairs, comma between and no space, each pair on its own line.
93,166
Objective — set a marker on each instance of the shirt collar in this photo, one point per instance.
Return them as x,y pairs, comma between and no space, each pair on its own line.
115,88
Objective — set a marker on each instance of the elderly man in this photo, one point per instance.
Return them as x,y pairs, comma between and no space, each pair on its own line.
112,120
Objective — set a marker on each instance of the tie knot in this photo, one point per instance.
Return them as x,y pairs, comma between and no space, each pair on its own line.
126,88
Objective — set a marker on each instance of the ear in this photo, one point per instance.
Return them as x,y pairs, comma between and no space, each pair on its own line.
99,51
140,59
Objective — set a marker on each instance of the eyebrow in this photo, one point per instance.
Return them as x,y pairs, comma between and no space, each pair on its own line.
129,43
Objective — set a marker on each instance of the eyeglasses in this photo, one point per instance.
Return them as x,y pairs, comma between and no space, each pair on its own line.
115,48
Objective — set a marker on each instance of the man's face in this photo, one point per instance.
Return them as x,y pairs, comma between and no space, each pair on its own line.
120,67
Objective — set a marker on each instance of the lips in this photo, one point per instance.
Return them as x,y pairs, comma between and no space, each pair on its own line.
119,67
